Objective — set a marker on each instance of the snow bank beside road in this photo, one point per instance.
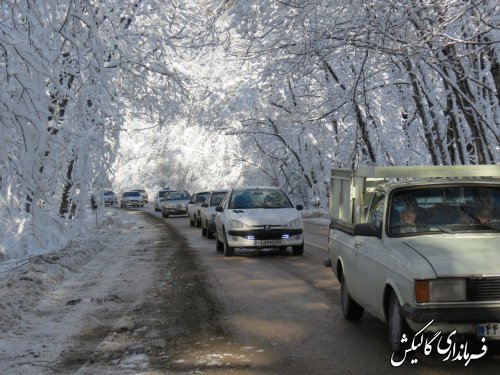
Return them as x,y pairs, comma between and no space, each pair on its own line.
24,281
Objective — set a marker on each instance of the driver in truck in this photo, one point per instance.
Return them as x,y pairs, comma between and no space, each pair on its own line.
408,220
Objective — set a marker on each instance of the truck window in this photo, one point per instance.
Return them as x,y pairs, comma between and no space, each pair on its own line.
447,209
377,209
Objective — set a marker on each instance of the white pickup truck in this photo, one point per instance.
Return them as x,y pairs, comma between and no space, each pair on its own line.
415,245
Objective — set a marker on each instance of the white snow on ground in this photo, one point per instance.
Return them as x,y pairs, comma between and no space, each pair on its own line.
39,310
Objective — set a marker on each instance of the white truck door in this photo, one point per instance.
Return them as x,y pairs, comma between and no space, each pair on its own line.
368,255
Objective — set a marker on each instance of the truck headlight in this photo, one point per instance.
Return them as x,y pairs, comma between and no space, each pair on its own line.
238,224
297,222
440,290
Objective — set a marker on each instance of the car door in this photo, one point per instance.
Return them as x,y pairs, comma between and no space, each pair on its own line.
219,218
367,284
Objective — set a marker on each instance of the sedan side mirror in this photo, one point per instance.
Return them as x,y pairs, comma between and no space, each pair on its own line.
299,207
219,209
368,229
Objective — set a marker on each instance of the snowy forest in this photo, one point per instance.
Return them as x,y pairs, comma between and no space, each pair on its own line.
199,94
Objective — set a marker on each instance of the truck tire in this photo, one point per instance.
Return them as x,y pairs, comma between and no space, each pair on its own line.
397,325
203,230
350,308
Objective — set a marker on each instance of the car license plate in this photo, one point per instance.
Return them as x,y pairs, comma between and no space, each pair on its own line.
489,330
268,242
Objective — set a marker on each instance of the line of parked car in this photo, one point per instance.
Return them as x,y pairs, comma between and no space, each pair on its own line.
255,217
248,217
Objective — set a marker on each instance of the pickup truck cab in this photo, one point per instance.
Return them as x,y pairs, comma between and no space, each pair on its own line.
421,250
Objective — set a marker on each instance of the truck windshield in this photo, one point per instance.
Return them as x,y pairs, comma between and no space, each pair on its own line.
447,209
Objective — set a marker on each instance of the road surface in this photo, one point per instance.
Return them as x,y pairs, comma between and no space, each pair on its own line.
167,302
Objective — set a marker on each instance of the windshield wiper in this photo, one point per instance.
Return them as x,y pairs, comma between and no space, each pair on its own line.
444,230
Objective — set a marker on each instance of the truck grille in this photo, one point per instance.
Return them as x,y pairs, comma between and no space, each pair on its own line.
484,289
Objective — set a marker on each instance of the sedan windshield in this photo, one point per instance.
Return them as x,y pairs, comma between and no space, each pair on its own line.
445,209
259,198
175,195
132,194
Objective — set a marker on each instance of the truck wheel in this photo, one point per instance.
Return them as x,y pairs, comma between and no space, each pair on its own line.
218,244
298,250
203,230
197,220
228,250
397,325
191,222
350,308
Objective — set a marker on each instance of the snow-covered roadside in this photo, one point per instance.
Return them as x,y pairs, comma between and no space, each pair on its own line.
37,296
24,281
319,217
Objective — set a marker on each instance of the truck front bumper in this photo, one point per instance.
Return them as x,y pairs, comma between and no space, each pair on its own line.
452,314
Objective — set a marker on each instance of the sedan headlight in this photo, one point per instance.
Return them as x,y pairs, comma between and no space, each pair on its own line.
235,224
440,290
295,223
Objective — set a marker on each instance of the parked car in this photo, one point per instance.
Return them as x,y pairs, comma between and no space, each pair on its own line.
109,198
207,214
143,193
131,199
105,198
175,203
159,195
258,217
194,207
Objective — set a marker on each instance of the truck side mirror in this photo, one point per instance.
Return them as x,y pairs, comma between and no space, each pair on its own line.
204,205
299,207
368,229
219,209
